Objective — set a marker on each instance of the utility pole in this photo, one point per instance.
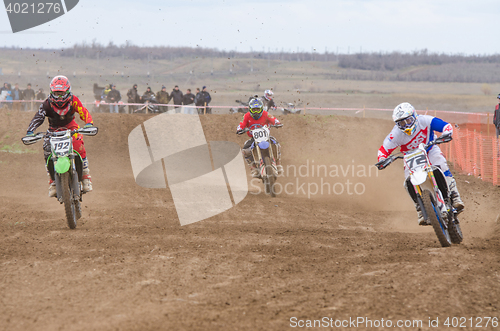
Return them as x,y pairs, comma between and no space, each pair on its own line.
269,57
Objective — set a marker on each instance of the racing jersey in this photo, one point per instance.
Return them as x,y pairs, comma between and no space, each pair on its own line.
424,133
57,121
249,122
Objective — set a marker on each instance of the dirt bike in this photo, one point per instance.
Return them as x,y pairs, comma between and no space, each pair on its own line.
290,109
242,108
264,156
150,105
65,164
430,191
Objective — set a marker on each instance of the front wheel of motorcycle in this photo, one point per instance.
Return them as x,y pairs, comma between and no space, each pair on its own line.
454,229
270,177
434,214
67,196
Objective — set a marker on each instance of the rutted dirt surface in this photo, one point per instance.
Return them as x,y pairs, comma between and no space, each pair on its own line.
129,265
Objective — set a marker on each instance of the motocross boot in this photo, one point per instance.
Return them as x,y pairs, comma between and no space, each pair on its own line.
421,220
254,170
458,204
52,185
52,189
248,155
86,179
280,169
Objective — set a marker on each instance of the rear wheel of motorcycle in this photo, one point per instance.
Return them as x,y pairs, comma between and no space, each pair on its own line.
67,195
434,214
270,176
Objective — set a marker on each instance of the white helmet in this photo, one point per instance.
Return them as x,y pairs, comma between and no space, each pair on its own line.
405,117
268,94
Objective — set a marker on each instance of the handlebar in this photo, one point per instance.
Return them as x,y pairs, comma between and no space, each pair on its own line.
382,164
29,140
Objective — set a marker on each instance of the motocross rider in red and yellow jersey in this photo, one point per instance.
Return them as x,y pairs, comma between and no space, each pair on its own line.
257,117
61,107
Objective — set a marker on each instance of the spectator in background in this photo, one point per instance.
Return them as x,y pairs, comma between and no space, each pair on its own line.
17,95
177,96
496,116
113,97
188,98
5,87
105,92
148,94
198,102
8,98
206,98
29,95
3,94
40,96
133,97
163,98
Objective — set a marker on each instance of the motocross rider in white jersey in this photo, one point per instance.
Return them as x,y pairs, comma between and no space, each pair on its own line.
411,130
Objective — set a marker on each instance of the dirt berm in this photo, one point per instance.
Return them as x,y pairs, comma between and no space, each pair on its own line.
265,264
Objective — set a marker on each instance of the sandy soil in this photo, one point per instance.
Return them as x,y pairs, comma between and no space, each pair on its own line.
129,265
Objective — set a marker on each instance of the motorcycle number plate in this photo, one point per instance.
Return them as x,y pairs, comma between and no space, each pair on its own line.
61,146
416,160
260,134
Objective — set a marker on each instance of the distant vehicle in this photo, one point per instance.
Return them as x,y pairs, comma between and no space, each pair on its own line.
150,105
290,109
242,108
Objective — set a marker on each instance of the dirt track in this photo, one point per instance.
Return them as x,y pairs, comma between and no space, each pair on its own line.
129,265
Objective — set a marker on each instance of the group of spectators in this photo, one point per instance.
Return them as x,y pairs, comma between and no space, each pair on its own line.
201,99
9,94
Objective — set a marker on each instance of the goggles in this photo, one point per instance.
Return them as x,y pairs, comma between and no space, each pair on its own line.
59,94
406,123
256,110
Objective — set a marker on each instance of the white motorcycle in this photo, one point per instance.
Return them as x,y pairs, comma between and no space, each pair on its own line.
264,156
427,186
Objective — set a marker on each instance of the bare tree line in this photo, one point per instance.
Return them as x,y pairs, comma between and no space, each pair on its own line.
397,60
394,66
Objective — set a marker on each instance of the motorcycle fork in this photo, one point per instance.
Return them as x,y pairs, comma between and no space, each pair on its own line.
261,160
438,194
441,206
75,179
418,191
57,179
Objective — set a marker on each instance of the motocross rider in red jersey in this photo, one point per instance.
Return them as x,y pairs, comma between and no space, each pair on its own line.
60,107
257,117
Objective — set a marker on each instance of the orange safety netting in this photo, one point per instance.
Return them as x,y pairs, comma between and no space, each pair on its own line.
474,149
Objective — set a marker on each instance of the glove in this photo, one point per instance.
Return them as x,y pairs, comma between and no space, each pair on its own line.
30,134
88,125
240,131
446,137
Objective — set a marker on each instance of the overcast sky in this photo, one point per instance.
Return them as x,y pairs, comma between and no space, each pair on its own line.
460,26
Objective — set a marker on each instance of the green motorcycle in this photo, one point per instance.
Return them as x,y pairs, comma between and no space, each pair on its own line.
65,167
